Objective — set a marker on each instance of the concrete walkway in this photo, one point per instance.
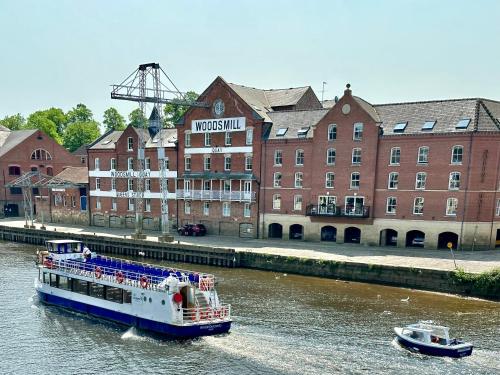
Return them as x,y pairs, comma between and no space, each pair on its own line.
472,261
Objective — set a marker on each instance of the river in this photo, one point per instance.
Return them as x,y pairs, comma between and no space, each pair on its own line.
283,324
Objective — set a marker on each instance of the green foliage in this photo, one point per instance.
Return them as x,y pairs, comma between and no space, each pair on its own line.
136,118
113,120
38,120
485,283
15,122
80,114
80,133
57,116
173,113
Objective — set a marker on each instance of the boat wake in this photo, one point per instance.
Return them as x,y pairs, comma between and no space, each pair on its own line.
133,334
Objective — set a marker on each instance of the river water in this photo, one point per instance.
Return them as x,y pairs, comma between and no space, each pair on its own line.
283,324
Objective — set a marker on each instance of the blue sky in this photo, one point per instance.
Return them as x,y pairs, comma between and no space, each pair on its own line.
60,53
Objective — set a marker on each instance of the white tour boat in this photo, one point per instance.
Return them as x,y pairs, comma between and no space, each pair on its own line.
163,300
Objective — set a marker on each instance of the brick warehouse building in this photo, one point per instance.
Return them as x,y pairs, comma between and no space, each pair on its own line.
22,151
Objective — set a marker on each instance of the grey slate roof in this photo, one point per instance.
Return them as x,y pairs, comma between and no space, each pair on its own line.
294,121
77,175
107,142
167,136
10,139
82,150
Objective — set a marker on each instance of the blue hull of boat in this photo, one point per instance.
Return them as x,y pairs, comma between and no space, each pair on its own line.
432,350
133,321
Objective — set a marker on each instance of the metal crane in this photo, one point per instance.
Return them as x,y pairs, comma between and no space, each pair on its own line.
144,85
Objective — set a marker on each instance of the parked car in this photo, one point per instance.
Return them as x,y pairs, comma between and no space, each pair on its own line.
418,241
192,230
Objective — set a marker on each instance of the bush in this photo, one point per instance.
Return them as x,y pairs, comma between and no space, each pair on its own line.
483,284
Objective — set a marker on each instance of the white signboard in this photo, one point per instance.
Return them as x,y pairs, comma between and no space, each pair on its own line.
130,174
221,125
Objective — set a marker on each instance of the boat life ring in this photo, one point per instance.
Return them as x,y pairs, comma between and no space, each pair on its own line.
119,277
144,282
177,298
98,272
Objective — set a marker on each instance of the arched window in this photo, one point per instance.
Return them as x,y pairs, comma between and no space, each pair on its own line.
40,154
332,132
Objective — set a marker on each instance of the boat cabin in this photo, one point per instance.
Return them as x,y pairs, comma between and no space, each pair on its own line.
427,333
65,249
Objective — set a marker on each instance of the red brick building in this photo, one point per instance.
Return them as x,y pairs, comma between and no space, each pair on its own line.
22,151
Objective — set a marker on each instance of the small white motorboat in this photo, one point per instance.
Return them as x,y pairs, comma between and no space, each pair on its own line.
427,338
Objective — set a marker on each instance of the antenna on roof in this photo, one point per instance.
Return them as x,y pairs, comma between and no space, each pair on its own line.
323,91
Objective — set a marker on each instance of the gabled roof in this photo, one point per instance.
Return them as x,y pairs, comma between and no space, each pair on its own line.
77,175
165,137
10,139
294,121
82,150
107,141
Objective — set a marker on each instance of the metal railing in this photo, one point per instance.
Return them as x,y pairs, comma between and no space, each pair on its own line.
337,211
247,196
207,314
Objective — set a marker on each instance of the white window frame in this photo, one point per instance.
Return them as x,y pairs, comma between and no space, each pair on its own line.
226,186
130,144
276,201
248,162
299,157
98,183
207,139
357,131
206,208
277,179
113,204
332,132
249,137
278,156
226,209
130,184
497,209
331,155
187,163
228,138
247,211
130,204
393,181
147,184
187,138
421,154
329,182
147,205
97,164
227,162
187,207
454,182
98,203
356,153
207,162
112,164
458,151
451,203
352,180
297,202
130,164
395,154
420,182
299,180
147,163
391,202
421,203
113,184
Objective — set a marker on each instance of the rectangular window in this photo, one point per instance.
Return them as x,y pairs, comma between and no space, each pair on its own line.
395,156
187,163
228,138
497,211
355,179
451,206
80,286
73,201
226,209
187,139
278,157
226,185
330,156
130,164
113,204
127,296
15,190
187,207
299,177
98,203
356,156
277,180
418,206
113,164
130,144
113,184
393,180
423,155
420,180
208,139
64,283
357,133
297,202
207,185
454,181
97,164
246,210
96,290
329,180
249,137
227,162
248,163
206,208
130,205
114,294
98,183
299,157
276,201
391,205
147,205
14,171
457,154
207,162
147,163
332,132
130,184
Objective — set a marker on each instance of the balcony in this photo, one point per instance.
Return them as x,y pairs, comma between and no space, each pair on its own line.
217,195
337,211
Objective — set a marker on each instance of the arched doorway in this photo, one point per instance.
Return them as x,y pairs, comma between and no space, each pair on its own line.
296,232
446,237
275,231
415,238
352,235
328,233
388,237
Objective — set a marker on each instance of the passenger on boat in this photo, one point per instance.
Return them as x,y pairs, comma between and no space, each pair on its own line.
87,254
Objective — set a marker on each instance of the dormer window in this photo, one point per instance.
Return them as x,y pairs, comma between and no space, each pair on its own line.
302,132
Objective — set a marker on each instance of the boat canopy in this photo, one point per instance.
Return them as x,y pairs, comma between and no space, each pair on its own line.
64,246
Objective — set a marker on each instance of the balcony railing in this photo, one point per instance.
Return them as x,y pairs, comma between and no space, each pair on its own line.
337,211
219,195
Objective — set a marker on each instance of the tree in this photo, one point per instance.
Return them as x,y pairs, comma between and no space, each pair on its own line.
136,118
39,121
15,122
113,120
80,114
80,133
57,116
173,113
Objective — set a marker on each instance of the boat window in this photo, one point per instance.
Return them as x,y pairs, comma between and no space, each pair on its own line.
96,290
53,280
150,300
45,278
114,294
80,286
162,301
127,296
64,283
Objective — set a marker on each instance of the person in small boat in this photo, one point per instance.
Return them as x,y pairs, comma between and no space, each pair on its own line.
87,254
435,339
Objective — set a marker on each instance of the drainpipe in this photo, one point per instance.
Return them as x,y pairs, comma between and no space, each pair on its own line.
495,197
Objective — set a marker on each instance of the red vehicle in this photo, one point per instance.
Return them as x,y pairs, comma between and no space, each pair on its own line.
192,230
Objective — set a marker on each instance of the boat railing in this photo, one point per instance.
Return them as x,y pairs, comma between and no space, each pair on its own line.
206,314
